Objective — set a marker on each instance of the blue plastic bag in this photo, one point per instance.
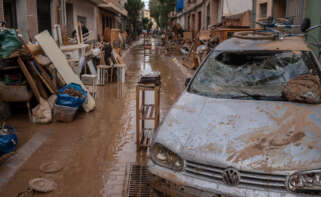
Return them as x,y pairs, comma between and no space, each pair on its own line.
71,101
8,141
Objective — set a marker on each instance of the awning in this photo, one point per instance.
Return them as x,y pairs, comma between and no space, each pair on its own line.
112,7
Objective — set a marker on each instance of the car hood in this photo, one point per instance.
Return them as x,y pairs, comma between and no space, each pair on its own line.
245,134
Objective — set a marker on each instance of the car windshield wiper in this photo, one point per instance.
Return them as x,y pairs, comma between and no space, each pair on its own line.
259,97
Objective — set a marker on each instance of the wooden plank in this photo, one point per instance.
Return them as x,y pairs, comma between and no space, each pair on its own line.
59,60
42,77
137,117
29,78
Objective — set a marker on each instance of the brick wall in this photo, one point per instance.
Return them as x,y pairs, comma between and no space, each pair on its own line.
1,11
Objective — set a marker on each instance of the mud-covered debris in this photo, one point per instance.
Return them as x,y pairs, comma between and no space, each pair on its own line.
305,88
72,92
51,167
42,185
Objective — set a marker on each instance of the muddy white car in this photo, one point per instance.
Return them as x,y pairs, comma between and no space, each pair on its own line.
233,132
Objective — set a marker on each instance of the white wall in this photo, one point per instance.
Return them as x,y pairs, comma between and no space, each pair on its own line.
232,7
86,9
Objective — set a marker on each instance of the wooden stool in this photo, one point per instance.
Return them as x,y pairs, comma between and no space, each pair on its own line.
90,82
146,112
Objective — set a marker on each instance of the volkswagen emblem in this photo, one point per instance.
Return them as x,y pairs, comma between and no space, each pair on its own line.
231,176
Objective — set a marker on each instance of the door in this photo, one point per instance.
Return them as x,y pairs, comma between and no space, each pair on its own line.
193,25
70,18
199,22
44,15
10,16
215,15
295,9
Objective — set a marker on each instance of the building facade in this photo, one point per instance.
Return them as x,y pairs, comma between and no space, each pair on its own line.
279,9
33,16
199,15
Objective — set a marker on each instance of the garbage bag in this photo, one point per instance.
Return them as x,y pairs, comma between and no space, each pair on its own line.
72,95
8,140
42,113
305,88
9,42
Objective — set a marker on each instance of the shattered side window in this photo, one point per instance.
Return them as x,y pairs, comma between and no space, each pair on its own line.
250,74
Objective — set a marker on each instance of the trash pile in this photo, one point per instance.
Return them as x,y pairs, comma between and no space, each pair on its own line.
195,46
51,69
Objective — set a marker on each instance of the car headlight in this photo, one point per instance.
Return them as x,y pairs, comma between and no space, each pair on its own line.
305,181
166,158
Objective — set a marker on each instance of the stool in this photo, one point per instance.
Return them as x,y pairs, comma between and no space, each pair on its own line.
90,81
102,73
121,72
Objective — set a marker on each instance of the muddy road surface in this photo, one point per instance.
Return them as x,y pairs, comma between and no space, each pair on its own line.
95,149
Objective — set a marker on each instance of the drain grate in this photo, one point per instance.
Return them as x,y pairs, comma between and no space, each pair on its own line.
139,181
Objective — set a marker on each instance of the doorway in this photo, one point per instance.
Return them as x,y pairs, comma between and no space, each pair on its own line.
10,15
193,24
44,15
279,9
70,18
199,21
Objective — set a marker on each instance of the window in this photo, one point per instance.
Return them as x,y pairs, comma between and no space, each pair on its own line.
10,17
263,10
82,20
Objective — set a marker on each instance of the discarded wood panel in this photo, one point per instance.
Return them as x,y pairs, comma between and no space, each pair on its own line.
29,78
59,60
188,36
118,59
205,35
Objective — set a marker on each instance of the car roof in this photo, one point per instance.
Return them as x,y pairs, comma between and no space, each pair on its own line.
293,43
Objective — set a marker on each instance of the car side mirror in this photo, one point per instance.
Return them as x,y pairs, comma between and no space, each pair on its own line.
187,81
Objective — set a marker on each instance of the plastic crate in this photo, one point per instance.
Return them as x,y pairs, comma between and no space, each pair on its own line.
64,113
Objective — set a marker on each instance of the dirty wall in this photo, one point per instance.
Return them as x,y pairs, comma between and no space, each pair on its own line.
1,11
233,7
313,12
85,10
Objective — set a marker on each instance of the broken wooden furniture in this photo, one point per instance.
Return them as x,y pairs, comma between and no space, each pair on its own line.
188,36
42,63
223,33
103,74
90,81
60,62
77,56
16,93
121,72
147,113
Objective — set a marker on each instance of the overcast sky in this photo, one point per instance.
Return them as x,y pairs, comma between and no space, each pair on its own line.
146,3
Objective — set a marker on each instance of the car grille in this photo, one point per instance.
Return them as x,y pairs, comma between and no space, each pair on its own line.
247,179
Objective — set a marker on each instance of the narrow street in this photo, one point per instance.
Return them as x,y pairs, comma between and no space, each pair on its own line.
97,148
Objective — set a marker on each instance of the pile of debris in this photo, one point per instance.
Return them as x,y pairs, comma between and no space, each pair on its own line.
48,68
195,46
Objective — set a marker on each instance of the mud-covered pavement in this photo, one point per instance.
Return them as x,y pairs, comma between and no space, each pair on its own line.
96,149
